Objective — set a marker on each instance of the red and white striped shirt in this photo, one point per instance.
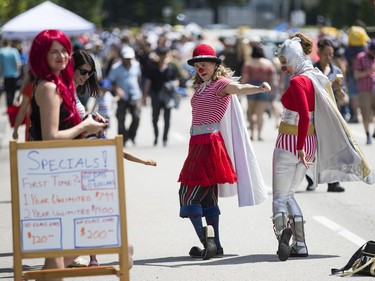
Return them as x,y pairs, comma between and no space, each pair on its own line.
207,106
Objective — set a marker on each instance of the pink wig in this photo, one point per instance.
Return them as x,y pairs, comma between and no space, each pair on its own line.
38,65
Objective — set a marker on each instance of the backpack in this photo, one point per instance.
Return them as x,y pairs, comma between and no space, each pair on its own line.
362,262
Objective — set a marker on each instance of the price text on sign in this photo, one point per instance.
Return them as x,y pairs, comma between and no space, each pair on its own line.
96,231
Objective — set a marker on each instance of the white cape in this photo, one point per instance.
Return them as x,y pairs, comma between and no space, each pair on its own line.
339,157
250,186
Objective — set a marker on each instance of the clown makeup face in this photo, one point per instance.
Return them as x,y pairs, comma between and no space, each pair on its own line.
205,69
285,67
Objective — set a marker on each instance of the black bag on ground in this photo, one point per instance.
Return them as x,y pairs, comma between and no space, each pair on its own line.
362,262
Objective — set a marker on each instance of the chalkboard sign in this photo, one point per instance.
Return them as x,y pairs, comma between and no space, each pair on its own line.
68,195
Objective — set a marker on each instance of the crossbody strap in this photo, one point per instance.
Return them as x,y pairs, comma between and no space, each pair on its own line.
356,255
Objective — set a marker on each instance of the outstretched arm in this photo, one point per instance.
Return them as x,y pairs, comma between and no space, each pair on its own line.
236,88
131,157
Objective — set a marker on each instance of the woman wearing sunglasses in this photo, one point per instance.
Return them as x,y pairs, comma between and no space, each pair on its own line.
84,78
309,123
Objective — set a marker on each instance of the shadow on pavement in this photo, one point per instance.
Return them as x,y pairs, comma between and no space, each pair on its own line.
227,259
5,202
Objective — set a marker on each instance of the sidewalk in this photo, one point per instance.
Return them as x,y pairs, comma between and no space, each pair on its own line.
6,244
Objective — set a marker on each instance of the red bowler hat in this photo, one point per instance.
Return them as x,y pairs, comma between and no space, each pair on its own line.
203,52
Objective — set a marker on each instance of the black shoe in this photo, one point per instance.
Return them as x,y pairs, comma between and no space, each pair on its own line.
335,187
368,141
310,185
284,248
209,243
353,120
197,253
373,135
219,252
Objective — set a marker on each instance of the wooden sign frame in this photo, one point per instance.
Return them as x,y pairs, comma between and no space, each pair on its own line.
122,271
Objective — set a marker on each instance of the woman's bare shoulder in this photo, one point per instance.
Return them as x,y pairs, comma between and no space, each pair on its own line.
45,90
45,87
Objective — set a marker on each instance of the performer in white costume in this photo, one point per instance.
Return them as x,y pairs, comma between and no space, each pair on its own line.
220,152
310,119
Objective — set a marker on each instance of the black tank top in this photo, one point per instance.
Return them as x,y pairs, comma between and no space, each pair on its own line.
35,131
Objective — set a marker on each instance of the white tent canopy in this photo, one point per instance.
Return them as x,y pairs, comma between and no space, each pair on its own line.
45,16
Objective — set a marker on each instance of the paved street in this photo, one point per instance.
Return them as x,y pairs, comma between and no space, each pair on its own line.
336,224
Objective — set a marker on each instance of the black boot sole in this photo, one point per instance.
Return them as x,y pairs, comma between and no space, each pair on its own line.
284,248
336,189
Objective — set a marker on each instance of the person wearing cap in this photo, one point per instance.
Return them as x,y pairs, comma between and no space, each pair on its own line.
310,121
103,104
364,73
357,41
220,158
125,76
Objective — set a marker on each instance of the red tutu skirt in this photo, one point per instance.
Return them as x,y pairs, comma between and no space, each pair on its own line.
208,162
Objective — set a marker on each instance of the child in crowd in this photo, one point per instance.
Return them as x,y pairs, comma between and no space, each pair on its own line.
103,104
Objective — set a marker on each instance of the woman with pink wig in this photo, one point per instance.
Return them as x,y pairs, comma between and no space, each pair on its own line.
54,115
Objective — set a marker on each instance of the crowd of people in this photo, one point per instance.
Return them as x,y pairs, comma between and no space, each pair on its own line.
143,65
135,70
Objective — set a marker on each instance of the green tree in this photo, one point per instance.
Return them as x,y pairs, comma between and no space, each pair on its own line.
344,13
91,10
11,8
137,12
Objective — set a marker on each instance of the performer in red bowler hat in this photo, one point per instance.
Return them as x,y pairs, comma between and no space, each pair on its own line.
220,160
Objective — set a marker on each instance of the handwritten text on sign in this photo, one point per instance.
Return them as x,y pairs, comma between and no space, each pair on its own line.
68,198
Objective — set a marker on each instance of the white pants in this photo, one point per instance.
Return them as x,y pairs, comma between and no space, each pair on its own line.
287,175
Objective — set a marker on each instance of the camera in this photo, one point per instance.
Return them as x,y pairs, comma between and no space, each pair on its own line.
101,134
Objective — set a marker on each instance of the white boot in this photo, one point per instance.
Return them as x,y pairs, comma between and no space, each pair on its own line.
299,248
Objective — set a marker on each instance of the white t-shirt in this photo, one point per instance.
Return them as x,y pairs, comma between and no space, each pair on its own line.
80,108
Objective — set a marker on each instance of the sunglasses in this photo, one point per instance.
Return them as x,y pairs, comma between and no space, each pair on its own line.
84,71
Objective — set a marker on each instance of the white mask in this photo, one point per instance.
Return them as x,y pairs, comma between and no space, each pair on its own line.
295,57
